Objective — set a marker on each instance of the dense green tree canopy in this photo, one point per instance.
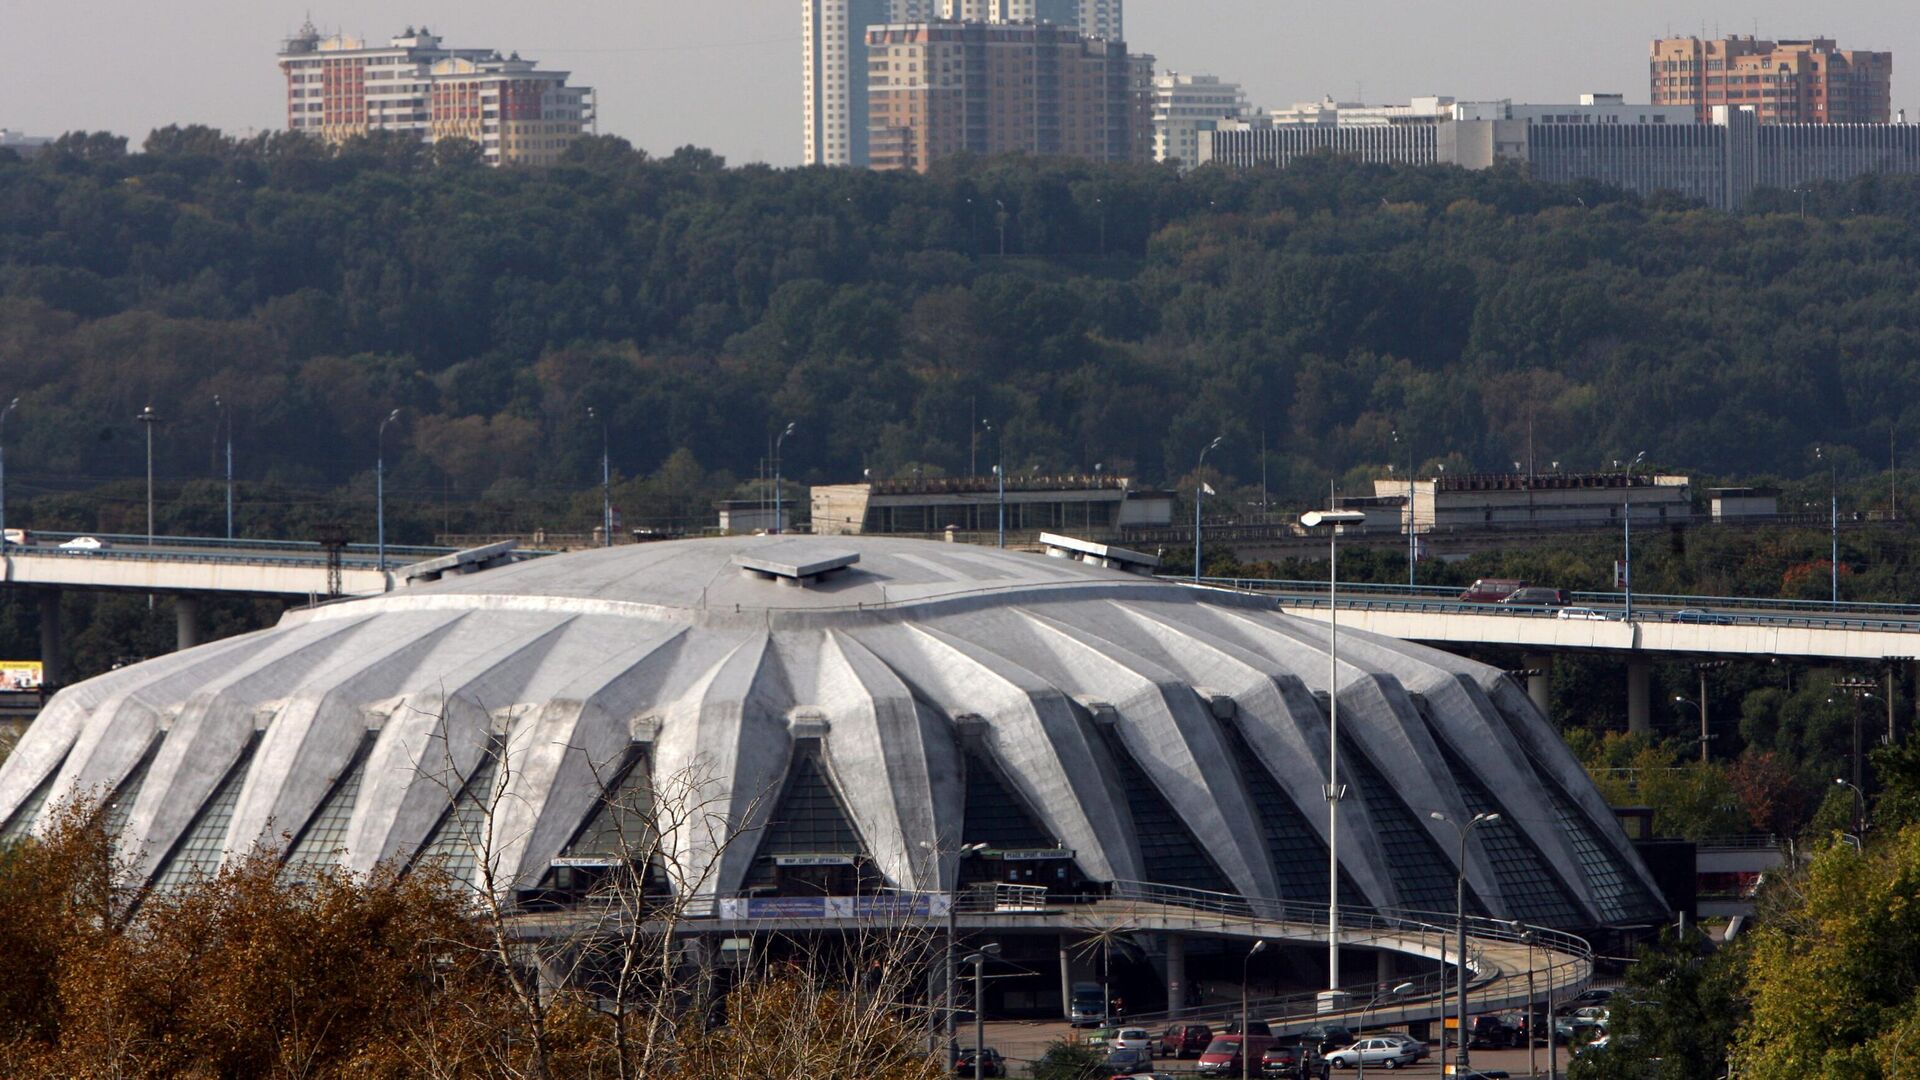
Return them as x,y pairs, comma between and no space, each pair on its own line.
1136,313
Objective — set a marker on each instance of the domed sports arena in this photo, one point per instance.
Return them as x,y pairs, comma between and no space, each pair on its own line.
866,707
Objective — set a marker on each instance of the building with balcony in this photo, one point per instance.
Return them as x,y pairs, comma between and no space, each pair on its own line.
1186,109
339,87
938,89
1784,82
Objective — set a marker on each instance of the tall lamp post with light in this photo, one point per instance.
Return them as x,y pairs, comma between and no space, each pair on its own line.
979,962
147,419
779,522
4,413
1626,565
1379,995
226,432
1860,797
1199,495
961,854
606,481
380,495
1833,525
1246,1044
1331,998
1460,1058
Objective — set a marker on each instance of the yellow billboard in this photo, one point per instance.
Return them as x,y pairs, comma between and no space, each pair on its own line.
19,676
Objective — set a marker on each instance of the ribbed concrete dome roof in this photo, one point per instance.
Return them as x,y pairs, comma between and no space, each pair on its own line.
853,698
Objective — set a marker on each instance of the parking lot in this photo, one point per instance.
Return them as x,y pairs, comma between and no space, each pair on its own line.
1022,1043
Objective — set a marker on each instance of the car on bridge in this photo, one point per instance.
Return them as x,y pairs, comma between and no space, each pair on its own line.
1492,590
85,543
1702,615
1583,614
1538,596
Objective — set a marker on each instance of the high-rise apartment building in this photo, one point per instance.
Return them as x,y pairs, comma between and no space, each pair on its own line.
834,71
1185,108
945,88
340,86
1783,82
1094,18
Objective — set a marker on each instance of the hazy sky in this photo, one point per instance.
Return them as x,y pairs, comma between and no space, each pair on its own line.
726,73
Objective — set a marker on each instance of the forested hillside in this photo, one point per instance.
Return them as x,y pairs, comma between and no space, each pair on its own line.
1134,314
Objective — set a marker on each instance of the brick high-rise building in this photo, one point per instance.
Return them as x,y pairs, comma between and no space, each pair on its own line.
944,88
833,57
340,86
1784,82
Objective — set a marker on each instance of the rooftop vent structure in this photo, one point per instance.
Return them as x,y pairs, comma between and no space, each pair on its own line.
1107,555
796,562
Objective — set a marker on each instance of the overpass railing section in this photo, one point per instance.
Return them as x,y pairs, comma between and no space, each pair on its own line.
45,539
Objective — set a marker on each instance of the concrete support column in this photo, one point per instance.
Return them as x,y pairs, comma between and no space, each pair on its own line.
53,645
1176,975
1639,707
1383,964
1540,686
1066,981
186,621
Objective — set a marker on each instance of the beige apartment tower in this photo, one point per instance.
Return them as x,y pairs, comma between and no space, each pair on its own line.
340,86
944,88
1783,82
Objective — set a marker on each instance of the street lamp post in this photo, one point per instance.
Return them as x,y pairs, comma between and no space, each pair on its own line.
1702,706
1379,994
149,418
606,481
226,432
380,496
779,520
1833,526
1335,791
1246,1044
1860,819
1627,562
1199,495
1461,1056
1529,937
979,962
963,853
4,413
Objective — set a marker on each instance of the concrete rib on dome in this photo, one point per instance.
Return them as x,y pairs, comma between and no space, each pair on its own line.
1113,708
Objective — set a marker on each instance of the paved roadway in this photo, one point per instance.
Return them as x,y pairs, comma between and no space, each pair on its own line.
1025,1041
1713,625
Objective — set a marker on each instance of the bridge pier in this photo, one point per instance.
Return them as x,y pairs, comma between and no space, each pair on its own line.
1176,975
53,656
186,621
1540,682
1639,706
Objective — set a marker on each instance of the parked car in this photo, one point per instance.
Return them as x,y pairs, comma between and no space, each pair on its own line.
1254,1027
1583,614
1492,590
1419,1048
84,543
1132,1038
1185,1040
1491,1033
1538,596
991,1063
1291,1061
1222,1056
1326,1038
1386,1053
1581,1024
1592,995
1128,1062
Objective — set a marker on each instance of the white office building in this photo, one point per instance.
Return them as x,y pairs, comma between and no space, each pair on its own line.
1188,107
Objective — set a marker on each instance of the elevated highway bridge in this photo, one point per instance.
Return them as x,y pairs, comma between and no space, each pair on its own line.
1661,626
